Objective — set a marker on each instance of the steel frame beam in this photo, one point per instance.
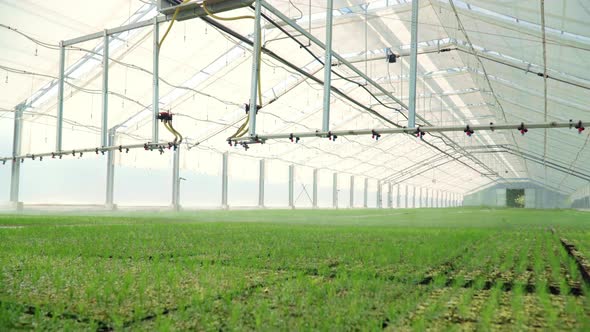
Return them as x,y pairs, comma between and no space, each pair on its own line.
353,68
433,199
421,199
60,96
366,194
224,180
255,70
390,195
247,41
379,195
16,163
291,186
176,179
105,92
351,192
338,57
370,81
413,63
261,174
110,188
406,197
437,200
335,190
327,66
315,189
156,80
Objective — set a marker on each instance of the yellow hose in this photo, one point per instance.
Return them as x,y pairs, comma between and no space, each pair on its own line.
170,25
167,127
243,129
176,133
240,132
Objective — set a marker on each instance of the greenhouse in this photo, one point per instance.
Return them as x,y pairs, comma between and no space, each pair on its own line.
294,165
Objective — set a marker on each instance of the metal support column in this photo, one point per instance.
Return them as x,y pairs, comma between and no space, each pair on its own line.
390,195
426,201
432,194
335,191
437,200
16,151
291,186
256,54
351,204
176,179
110,201
105,92
261,174
328,65
420,199
156,81
60,96
315,189
406,199
224,180
413,64
414,197
366,194
398,200
379,195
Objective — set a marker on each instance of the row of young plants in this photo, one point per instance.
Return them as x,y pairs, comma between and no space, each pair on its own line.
175,274
117,275
522,279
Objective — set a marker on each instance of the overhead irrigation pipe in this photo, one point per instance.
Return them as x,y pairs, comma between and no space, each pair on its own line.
469,130
161,147
369,80
296,68
319,81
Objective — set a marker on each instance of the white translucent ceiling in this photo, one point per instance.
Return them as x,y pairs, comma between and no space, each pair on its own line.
205,78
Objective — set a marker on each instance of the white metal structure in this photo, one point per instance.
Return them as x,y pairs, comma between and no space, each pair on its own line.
93,82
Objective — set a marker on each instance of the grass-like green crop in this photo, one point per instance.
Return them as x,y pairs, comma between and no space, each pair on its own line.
294,270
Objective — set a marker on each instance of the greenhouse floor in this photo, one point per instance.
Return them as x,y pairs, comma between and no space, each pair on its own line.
462,269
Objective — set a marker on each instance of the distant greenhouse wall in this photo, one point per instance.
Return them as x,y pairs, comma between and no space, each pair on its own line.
581,198
536,197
